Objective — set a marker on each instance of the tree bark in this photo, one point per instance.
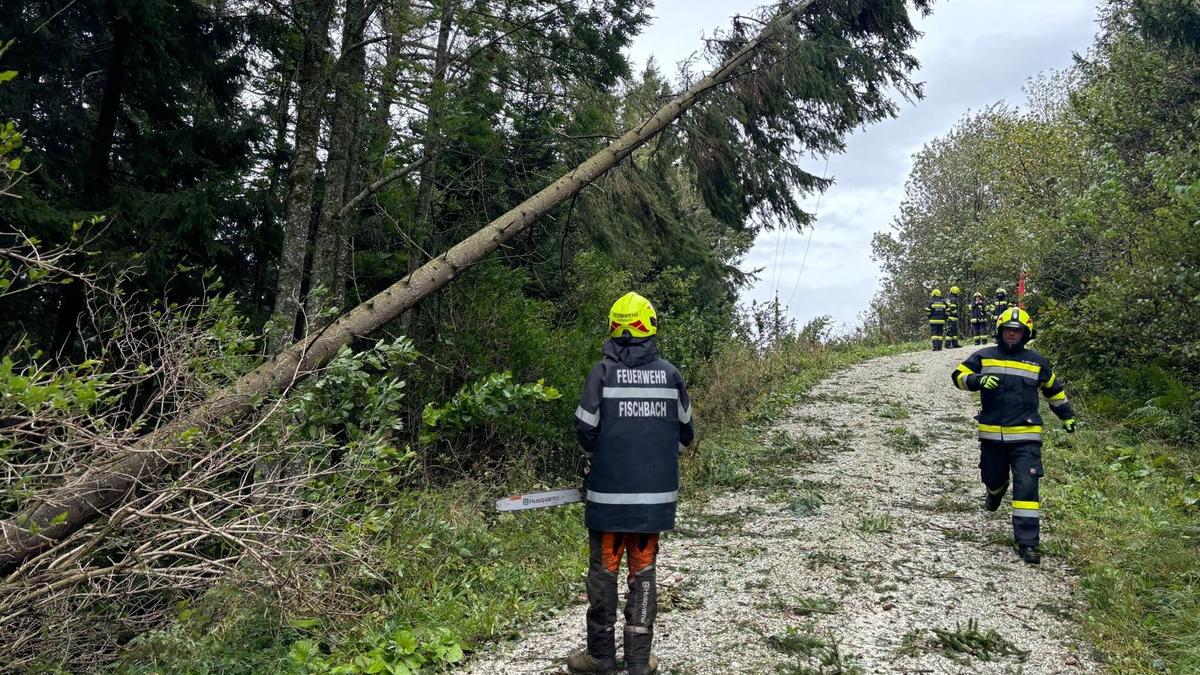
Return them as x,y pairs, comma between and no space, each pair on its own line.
327,270
421,237
312,86
56,513
395,20
355,172
279,147
270,216
97,181
432,138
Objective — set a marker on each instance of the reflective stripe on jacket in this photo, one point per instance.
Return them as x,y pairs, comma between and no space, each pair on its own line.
937,310
633,420
1010,411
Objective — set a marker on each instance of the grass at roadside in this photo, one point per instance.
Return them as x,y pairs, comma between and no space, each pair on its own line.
1126,508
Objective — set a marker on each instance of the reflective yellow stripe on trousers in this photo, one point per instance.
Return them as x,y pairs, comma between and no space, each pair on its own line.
1023,509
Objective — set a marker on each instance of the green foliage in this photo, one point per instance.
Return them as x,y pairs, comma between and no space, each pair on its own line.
11,140
167,150
815,655
875,524
33,388
401,652
82,405
450,574
359,392
1126,506
492,401
796,641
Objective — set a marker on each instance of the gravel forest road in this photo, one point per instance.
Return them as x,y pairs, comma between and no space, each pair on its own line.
866,551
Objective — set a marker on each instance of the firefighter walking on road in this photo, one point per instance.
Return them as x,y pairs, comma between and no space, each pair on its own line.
952,319
937,318
981,320
633,420
1008,377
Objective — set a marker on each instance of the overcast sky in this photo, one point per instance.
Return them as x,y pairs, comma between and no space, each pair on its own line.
973,53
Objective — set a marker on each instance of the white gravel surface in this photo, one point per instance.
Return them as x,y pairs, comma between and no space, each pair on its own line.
847,557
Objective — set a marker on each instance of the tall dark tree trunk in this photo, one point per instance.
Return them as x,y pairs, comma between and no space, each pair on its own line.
431,145
279,148
355,173
421,239
312,86
328,272
394,15
98,180
274,199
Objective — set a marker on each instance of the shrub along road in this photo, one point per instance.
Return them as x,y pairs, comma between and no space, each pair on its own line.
863,548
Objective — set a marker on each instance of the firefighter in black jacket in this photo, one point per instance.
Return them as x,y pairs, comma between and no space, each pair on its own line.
1008,377
980,319
937,318
1000,304
633,421
952,318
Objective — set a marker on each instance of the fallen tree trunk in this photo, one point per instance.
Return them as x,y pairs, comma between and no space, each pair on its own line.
56,513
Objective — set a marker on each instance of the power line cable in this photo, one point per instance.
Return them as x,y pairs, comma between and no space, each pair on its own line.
816,211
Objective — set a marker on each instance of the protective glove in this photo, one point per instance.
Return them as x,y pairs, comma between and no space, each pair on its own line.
988,381
1069,425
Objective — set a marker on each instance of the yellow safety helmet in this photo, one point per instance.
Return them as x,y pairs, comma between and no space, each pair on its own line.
1015,317
935,293
979,295
954,290
632,314
1000,292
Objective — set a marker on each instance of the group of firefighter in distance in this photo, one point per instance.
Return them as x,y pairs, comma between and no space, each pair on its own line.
980,316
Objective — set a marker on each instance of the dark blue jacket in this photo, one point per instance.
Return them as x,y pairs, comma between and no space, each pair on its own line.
1009,412
979,312
937,310
633,420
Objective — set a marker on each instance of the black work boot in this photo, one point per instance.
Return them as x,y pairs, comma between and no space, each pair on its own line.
1029,554
995,497
583,662
643,668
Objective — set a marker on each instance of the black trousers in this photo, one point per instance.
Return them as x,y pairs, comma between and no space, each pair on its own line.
641,604
935,332
980,331
1024,461
952,332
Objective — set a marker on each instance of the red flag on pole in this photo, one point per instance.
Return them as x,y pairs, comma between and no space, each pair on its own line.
1021,290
